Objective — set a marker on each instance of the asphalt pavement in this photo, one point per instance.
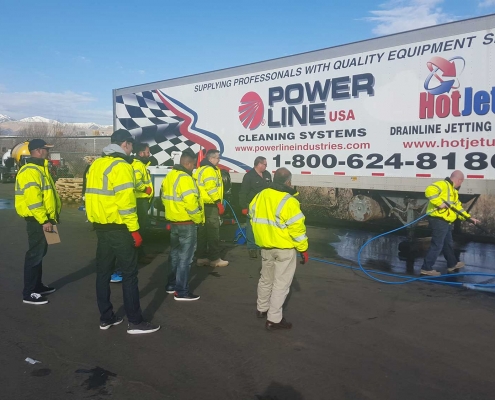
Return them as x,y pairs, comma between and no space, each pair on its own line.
352,338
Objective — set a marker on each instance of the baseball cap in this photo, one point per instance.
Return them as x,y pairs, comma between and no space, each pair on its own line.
38,144
121,136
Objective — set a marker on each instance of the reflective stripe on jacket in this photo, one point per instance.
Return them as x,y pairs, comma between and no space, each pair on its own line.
210,184
143,179
110,197
181,199
277,221
35,193
444,192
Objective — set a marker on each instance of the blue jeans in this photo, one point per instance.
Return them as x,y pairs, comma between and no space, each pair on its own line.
251,244
183,239
441,241
116,248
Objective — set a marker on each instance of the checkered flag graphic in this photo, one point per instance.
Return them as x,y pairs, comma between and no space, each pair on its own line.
146,117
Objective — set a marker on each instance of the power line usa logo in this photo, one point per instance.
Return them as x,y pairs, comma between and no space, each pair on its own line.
251,110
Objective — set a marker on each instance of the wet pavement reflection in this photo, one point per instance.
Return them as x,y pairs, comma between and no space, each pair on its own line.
6,204
392,253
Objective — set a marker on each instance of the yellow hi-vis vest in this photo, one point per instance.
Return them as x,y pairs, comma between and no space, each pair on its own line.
444,192
277,221
143,179
210,184
181,198
35,194
110,197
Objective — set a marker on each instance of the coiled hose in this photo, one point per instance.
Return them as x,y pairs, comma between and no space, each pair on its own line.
400,279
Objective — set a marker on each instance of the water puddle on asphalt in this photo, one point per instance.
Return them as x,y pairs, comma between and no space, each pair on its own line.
6,204
390,254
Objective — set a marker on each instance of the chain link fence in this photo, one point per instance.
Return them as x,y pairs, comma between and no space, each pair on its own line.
70,155
72,164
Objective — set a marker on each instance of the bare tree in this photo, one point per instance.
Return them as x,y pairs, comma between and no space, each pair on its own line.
63,129
35,130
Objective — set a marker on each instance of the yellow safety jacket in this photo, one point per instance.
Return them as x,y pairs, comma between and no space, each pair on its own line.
110,197
277,219
180,196
444,192
210,183
35,193
143,179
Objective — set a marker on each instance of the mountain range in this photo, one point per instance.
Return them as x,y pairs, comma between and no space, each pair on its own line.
81,125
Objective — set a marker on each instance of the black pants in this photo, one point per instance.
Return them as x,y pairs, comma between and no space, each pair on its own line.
142,206
33,262
209,235
115,250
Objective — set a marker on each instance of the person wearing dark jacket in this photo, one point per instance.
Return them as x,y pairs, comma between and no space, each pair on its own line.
253,182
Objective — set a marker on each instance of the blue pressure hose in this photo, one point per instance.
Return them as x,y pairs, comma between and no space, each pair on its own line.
236,220
402,279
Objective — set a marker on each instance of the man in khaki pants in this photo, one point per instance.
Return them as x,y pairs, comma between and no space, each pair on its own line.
278,226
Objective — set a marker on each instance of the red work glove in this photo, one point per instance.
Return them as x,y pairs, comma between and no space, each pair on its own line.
148,190
138,240
304,256
221,208
245,211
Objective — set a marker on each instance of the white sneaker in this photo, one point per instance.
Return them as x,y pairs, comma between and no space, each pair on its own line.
219,263
459,265
142,328
203,262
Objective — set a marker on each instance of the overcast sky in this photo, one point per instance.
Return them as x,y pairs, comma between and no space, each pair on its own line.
61,59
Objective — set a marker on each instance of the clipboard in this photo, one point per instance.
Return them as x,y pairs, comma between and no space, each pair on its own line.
52,237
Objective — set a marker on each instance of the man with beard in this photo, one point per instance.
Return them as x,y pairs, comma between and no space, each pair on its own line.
210,184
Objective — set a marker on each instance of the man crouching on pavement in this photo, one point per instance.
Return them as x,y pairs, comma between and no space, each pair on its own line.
278,226
111,207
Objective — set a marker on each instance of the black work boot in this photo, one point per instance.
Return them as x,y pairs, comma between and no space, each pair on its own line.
283,324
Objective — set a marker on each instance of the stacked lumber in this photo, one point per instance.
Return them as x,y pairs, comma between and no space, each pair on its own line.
69,189
90,159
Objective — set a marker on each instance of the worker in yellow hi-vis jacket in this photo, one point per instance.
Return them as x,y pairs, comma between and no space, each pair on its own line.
278,227
210,184
184,209
443,203
143,189
111,207
37,201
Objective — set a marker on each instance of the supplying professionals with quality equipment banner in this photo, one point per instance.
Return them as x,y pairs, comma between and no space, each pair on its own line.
421,107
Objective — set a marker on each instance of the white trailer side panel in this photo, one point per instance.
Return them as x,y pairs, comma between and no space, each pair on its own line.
391,113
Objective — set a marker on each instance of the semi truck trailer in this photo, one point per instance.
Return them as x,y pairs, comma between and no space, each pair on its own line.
380,118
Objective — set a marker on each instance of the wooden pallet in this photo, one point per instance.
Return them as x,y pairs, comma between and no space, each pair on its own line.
69,189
